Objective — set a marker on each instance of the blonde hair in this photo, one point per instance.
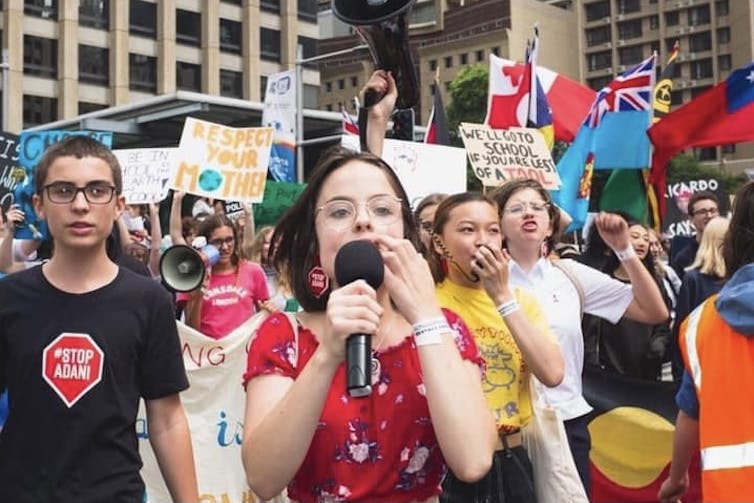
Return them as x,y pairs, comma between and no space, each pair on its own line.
709,257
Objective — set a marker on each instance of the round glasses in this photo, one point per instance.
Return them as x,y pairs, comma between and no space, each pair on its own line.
520,208
341,214
66,192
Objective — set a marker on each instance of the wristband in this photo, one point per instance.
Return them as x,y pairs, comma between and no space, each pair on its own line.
428,332
507,308
626,254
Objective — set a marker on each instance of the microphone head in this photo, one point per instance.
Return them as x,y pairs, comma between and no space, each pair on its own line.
359,260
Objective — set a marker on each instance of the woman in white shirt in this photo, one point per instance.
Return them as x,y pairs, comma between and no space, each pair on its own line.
529,222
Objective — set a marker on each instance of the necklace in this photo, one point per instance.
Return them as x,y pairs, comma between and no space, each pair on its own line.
376,367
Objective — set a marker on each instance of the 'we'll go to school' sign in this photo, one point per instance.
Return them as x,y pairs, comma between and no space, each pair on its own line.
222,162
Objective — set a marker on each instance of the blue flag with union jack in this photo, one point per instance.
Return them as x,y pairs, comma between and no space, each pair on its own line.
612,136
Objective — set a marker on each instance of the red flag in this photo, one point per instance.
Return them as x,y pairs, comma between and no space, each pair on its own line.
437,126
569,100
719,116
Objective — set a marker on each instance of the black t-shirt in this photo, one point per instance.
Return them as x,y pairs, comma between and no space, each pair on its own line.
75,366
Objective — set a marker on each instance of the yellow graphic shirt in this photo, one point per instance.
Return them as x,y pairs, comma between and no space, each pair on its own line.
506,380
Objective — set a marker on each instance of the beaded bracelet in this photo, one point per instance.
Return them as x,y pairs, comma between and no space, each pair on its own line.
507,308
428,332
626,254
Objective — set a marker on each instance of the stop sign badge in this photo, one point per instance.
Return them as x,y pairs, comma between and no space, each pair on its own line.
72,365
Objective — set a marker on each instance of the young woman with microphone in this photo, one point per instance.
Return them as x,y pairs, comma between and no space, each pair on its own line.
302,428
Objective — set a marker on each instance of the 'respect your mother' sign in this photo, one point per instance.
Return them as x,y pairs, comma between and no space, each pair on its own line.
498,156
222,162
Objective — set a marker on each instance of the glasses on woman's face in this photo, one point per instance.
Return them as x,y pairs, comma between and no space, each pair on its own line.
66,192
518,209
219,242
341,214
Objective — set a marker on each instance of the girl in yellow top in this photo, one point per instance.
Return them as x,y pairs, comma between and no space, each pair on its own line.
471,271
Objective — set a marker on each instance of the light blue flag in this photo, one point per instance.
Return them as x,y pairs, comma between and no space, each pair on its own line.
575,170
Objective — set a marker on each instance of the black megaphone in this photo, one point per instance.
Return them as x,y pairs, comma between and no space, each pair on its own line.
383,24
182,267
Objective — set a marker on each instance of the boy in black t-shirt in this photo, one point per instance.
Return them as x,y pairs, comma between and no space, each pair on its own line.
81,341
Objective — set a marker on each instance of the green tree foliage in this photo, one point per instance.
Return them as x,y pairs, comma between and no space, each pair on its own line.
468,103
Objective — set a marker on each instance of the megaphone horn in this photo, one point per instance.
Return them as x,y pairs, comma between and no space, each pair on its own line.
182,267
384,27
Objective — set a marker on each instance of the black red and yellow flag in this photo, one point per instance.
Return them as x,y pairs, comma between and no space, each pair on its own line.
632,428
662,101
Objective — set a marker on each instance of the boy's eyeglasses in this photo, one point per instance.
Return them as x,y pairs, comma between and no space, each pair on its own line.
66,192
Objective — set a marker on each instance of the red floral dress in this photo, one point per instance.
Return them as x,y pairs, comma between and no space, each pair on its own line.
376,448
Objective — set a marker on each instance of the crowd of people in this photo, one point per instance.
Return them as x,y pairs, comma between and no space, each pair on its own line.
481,306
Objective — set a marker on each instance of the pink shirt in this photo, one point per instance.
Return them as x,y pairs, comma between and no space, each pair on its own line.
229,300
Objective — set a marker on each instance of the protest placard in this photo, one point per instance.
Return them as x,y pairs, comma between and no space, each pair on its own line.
676,221
146,173
10,172
500,155
32,144
278,197
222,162
422,168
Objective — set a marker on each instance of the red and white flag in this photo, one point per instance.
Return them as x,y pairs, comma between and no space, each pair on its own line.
349,125
508,100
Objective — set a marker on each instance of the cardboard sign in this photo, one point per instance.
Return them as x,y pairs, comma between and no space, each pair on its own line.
10,172
278,197
500,155
32,145
676,222
422,168
146,173
222,162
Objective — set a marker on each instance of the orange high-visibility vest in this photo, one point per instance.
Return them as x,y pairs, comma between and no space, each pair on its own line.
721,363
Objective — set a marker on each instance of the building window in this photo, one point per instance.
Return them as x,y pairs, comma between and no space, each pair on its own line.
234,2
699,15
328,108
142,19
722,8
142,73
270,6
230,36
724,63
629,29
94,65
307,10
423,13
596,36
598,83
94,13
310,96
341,84
308,49
729,148
269,44
464,59
480,55
706,154
39,110
700,42
86,107
188,76
723,35
263,86
40,56
654,22
231,84
328,87
354,82
628,6
46,9
432,65
600,60
432,89
676,97
672,18
598,10
496,51
701,69
189,27
448,61
630,55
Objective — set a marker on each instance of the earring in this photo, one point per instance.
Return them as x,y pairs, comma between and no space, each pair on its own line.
317,280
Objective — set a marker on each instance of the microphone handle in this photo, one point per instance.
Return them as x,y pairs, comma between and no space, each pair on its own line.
359,365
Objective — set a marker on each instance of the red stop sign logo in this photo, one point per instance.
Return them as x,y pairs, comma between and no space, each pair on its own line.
72,365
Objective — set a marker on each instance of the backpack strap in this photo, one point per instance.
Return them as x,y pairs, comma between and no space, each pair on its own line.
573,279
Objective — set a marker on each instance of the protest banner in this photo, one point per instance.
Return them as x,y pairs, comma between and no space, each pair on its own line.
32,144
146,173
10,172
422,168
234,209
500,155
215,405
676,221
278,197
279,113
222,162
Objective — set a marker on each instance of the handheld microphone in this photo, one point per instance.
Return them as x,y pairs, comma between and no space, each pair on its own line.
359,260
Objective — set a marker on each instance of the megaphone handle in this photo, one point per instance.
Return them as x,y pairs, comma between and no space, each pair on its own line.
371,98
